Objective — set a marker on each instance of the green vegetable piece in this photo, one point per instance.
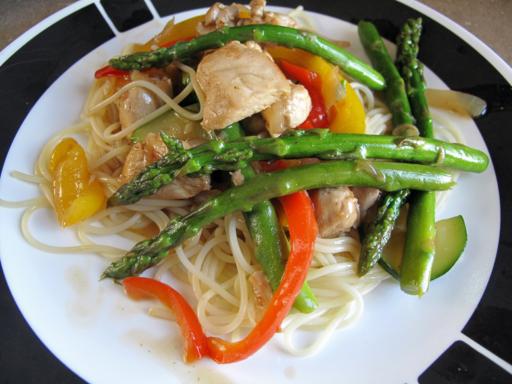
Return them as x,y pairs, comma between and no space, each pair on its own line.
265,186
394,93
231,154
398,103
262,33
421,234
451,239
380,230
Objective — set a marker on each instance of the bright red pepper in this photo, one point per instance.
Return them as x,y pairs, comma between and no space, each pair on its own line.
303,231
110,71
195,340
311,81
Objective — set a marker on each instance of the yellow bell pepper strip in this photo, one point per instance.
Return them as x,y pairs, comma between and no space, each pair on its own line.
317,118
303,231
344,108
170,35
182,31
75,197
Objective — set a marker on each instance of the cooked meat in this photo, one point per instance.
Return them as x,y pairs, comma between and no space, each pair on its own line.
237,178
238,82
139,102
289,112
184,187
220,15
366,198
149,151
260,16
336,210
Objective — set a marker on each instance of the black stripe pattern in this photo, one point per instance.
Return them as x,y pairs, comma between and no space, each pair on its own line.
127,14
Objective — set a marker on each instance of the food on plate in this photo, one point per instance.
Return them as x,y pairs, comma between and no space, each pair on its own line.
254,161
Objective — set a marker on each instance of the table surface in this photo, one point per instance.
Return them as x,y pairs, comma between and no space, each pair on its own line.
16,16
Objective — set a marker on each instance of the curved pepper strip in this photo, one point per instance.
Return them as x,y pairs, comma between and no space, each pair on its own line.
303,231
195,341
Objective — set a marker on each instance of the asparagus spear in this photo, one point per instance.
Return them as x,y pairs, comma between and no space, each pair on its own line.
262,33
265,232
394,93
396,99
419,249
264,186
380,230
321,143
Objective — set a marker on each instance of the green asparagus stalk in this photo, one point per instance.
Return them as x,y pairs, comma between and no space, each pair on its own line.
396,99
394,93
264,228
320,143
262,33
419,249
380,230
264,186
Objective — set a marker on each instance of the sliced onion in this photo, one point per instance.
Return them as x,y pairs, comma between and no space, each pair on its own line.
459,102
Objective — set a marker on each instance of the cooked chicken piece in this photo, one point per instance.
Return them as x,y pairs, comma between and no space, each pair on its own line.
151,150
220,15
260,16
237,178
238,82
366,198
184,187
261,288
139,102
336,210
289,112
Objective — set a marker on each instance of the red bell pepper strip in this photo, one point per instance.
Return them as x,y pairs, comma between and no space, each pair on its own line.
318,117
303,231
110,71
195,340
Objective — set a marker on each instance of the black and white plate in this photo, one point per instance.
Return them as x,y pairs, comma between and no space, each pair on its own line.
453,334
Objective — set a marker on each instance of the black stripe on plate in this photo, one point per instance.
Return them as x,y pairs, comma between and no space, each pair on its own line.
23,357
127,14
34,67
460,67
462,364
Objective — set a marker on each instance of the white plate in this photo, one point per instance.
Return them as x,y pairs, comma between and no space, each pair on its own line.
104,337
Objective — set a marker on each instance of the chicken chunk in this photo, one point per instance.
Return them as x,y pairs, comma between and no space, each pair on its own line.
238,81
260,16
336,210
289,112
147,152
139,102
184,187
366,198
220,15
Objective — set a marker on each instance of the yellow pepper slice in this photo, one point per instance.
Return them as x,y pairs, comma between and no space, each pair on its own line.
75,197
343,106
